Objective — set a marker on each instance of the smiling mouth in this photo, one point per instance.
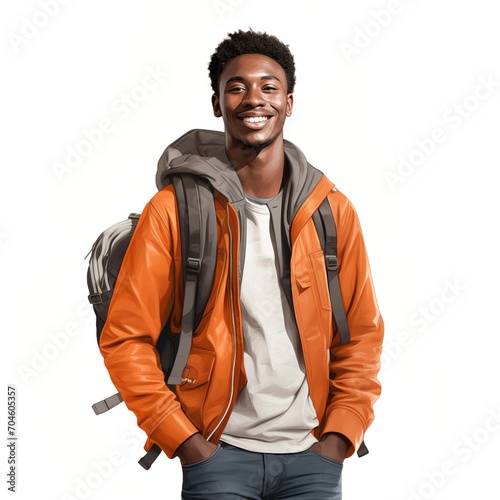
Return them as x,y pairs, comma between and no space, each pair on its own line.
255,119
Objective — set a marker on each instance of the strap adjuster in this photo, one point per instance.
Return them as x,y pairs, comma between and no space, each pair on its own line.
332,262
193,265
95,298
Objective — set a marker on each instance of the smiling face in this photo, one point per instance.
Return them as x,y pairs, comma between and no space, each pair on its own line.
253,101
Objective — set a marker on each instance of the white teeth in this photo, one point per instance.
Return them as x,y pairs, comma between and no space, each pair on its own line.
255,119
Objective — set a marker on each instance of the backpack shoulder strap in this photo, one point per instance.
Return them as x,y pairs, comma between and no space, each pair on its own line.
327,232
199,251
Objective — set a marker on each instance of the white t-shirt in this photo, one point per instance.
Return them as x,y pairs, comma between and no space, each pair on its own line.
273,412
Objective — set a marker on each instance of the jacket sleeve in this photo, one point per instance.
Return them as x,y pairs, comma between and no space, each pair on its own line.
354,367
141,303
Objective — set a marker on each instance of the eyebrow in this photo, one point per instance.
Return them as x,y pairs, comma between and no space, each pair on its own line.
241,79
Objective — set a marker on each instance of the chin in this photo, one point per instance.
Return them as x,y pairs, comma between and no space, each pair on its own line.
257,145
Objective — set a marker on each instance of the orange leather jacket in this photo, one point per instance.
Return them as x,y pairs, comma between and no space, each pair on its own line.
342,379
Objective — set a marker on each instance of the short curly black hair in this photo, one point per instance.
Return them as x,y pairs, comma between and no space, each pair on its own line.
251,42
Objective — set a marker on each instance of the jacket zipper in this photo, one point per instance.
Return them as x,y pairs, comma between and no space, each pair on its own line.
231,296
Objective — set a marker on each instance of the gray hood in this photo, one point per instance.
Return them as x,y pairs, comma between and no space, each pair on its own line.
202,152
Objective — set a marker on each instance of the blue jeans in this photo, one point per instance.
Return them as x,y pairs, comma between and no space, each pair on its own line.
231,473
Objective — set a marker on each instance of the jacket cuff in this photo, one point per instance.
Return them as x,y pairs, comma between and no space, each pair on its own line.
172,432
347,423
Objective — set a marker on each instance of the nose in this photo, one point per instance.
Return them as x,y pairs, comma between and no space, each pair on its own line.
253,97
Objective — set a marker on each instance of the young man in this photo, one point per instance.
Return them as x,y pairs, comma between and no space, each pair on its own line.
271,403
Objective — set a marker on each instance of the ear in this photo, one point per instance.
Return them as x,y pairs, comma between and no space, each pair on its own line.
289,104
216,106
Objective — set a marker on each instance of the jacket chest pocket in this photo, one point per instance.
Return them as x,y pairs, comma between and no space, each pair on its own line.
310,274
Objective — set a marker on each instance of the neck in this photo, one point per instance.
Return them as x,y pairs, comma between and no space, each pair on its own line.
259,168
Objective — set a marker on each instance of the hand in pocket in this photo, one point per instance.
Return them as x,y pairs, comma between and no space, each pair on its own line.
195,449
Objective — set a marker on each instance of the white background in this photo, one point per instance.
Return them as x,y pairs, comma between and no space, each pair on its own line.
370,85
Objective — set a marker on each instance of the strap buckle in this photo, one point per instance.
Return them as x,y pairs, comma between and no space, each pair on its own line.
193,265
95,298
332,263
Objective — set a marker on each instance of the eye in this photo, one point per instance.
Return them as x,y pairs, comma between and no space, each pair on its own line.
236,89
270,88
